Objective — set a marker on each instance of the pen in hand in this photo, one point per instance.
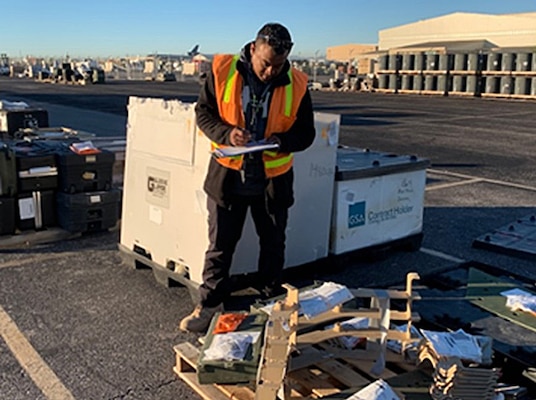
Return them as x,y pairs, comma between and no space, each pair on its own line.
239,136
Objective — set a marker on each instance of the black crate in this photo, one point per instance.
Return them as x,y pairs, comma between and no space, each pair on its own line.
13,120
8,171
88,212
7,215
84,173
36,167
36,210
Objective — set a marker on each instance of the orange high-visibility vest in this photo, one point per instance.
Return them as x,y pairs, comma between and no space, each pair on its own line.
281,115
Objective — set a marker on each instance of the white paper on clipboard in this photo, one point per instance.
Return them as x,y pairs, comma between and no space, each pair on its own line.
239,150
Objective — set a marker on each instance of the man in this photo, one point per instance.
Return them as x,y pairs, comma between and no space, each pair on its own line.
251,97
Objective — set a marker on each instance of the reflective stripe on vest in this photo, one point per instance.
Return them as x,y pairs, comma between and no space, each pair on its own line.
231,78
274,163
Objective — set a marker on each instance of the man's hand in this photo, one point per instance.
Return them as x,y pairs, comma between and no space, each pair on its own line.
274,140
239,137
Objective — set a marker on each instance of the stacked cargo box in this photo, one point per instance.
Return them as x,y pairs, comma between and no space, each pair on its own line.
86,201
49,182
37,180
499,72
8,188
19,115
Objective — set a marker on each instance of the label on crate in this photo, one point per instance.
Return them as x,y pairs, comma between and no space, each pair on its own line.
26,208
158,182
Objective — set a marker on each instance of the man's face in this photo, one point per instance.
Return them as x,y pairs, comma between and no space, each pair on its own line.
265,62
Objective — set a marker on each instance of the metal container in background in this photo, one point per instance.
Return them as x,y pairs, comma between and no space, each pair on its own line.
408,62
533,87
444,83
394,62
446,62
474,62
533,62
523,61
473,85
419,61
460,61
522,85
430,83
384,62
418,82
407,82
383,81
494,62
508,62
432,62
459,83
394,82
493,84
507,85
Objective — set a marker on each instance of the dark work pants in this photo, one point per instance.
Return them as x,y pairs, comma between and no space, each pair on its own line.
225,229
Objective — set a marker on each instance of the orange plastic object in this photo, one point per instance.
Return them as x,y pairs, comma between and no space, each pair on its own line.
228,322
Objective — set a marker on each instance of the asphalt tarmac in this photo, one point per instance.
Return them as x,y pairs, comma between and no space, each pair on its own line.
76,323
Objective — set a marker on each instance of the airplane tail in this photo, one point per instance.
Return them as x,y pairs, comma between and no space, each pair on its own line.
194,51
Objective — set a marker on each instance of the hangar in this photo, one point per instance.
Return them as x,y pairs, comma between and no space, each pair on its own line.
506,31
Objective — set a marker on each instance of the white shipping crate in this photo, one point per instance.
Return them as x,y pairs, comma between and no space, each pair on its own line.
164,205
310,216
378,198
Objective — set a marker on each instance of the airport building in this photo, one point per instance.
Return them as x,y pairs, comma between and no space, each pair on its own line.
348,52
472,31
460,53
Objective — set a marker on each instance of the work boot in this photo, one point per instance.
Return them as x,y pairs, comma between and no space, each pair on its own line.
199,320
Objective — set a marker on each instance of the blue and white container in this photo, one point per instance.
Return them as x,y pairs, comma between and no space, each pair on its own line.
378,198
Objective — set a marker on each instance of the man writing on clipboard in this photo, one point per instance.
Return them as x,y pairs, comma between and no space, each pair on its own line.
254,96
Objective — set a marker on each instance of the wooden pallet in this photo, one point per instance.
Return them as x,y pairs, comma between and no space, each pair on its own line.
304,357
330,378
164,276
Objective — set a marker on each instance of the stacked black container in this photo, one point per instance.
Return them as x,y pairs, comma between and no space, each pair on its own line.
46,183
11,120
37,181
86,201
8,189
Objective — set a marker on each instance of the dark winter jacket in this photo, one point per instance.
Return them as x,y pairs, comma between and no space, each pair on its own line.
219,179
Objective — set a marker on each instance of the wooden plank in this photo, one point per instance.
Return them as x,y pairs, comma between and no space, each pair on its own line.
312,381
207,392
370,333
187,355
342,373
367,365
186,363
30,238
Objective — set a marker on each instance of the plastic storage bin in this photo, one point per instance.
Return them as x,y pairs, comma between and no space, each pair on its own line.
36,210
13,120
378,198
236,371
88,211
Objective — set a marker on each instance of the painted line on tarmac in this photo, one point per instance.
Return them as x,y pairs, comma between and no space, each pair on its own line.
439,254
48,257
38,370
36,259
494,181
452,184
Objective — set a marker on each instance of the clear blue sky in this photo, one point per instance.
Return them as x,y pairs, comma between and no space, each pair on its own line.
137,27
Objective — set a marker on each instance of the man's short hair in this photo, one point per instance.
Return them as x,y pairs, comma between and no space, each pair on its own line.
276,36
